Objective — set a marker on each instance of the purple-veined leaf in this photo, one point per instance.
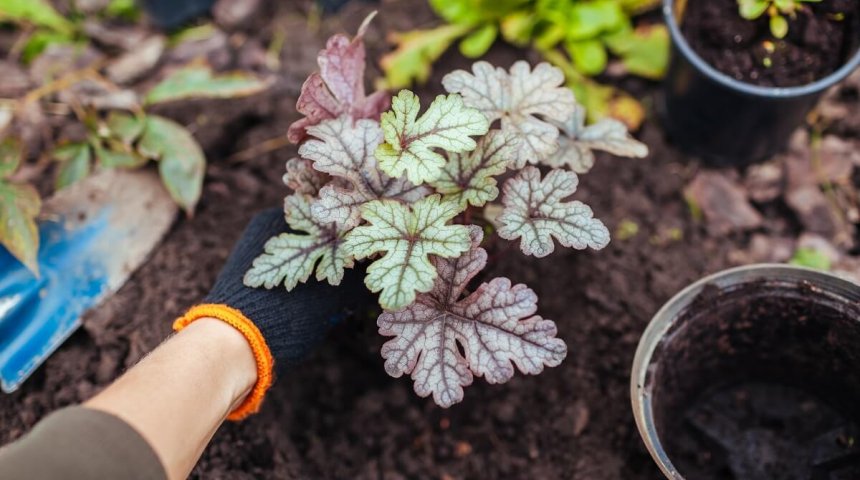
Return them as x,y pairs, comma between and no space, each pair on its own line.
290,258
344,148
525,101
302,177
536,213
495,326
578,142
408,236
338,88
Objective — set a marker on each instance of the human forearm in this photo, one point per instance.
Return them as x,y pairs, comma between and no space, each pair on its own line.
178,395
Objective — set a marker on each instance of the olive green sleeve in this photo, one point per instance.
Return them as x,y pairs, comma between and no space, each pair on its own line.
83,444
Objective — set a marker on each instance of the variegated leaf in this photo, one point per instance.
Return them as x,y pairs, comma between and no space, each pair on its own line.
536,213
410,141
467,178
301,177
495,328
290,258
338,88
344,149
526,102
408,236
578,142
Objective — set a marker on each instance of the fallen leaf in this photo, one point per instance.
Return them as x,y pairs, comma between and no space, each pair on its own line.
198,81
136,62
181,162
723,202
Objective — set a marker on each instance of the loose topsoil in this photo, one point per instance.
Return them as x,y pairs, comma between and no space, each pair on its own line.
339,415
820,39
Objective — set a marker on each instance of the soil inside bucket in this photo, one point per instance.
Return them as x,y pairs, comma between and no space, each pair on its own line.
755,384
820,39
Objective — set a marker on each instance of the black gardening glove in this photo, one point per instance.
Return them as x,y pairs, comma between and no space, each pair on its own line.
292,323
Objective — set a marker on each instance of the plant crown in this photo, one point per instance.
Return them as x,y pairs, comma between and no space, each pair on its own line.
398,189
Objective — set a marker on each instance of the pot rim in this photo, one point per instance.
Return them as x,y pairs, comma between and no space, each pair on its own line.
706,69
664,320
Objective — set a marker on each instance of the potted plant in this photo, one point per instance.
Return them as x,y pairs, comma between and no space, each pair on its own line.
409,188
735,90
752,373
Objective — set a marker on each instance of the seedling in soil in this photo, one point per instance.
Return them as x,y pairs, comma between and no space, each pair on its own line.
777,10
401,189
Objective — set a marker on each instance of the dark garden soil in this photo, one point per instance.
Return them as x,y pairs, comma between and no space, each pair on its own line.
821,37
340,416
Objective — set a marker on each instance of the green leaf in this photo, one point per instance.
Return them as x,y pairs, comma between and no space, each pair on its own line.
587,20
589,56
643,51
114,154
457,11
518,27
408,237
290,258
11,152
41,40
416,51
752,9
181,160
37,12
125,127
778,26
19,206
636,7
811,258
197,81
478,42
410,141
468,177
75,160
124,9
550,36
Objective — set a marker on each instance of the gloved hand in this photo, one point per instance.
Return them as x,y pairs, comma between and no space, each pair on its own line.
281,327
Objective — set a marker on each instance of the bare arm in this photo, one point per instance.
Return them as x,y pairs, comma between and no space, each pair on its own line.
179,395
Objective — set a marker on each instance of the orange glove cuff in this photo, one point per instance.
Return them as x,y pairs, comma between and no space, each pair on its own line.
262,355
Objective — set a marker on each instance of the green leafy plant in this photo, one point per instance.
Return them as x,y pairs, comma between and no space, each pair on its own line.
49,27
777,10
578,36
116,138
407,191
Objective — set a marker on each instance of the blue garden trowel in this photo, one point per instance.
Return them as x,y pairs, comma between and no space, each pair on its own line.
93,235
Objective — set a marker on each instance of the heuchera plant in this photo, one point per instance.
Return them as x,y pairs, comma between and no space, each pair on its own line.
396,188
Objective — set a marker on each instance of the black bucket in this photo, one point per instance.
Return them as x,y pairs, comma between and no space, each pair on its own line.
725,121
753,373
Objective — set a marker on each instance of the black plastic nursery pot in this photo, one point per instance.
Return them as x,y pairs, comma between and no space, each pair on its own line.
725,121
753,373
